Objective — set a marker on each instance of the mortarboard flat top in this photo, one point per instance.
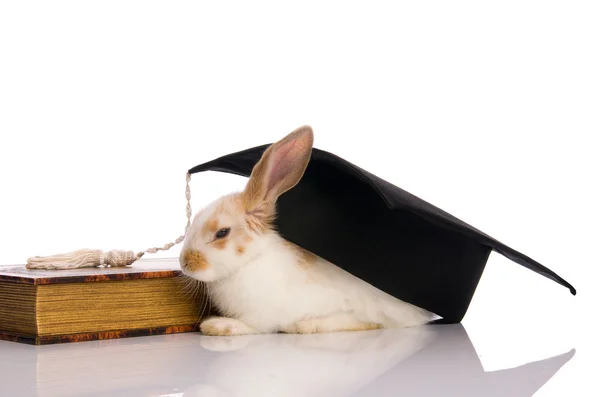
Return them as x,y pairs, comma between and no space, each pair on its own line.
382,234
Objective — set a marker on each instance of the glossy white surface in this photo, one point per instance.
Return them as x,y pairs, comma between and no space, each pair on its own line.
522,336
494,105
428,361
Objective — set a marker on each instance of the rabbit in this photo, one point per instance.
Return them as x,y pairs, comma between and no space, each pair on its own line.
262,283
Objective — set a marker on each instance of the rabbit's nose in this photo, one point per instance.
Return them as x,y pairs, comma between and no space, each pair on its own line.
193,261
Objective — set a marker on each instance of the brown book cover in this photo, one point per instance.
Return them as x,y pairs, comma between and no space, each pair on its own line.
56,306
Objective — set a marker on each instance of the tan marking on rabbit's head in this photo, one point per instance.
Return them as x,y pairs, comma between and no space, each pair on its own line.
194,261
211,226
214,233
236,227
220,244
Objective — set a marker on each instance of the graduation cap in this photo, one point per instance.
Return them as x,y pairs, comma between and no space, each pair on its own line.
381,233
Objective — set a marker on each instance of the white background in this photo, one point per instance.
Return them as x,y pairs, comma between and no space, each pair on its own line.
489,110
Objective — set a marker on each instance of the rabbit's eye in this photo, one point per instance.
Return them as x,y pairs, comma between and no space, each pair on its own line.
222,232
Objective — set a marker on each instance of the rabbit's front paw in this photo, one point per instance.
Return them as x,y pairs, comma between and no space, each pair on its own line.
224,326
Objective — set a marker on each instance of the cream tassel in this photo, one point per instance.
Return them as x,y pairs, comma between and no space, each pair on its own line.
98,258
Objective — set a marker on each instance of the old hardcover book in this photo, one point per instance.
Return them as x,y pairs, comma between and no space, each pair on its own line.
48,306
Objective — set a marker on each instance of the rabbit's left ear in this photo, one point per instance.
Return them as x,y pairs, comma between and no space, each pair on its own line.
280,168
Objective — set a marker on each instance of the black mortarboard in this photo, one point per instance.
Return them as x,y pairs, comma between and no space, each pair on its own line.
382,234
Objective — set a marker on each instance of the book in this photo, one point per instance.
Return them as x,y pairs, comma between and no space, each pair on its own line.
59,306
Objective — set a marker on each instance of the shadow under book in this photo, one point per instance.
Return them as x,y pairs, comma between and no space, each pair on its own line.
45,306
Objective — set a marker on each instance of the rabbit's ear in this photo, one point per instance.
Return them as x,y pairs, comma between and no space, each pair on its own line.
280,168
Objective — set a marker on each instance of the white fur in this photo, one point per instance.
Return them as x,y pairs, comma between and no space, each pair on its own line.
268,286
272,291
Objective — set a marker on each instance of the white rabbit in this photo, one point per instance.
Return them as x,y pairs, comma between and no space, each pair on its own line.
263,283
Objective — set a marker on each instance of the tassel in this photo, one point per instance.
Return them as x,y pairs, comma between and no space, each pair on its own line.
82,258
97,258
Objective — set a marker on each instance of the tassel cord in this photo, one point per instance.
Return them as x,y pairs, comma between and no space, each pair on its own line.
114,258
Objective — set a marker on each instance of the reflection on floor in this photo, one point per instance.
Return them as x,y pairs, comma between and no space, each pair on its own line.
436,360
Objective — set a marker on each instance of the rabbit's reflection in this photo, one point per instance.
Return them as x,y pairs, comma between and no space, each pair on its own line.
427,360
328,364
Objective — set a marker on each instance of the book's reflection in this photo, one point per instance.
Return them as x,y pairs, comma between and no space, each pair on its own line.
435,360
